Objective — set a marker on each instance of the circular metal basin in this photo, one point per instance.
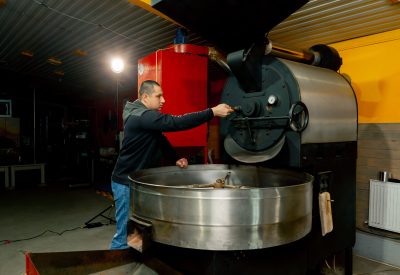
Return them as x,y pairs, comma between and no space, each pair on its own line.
261,208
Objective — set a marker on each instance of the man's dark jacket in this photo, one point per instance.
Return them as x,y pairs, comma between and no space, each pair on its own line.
144,144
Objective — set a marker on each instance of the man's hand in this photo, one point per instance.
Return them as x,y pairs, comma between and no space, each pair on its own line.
182,163
222,110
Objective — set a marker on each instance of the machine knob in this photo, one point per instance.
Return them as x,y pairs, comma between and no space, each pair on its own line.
272,100
251,108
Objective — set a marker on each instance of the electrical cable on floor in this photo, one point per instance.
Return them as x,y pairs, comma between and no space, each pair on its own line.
326,262
4,242
333,264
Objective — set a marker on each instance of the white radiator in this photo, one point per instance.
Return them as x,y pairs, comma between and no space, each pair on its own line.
384,205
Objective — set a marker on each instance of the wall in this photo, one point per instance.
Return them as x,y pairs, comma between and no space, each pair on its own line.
372,64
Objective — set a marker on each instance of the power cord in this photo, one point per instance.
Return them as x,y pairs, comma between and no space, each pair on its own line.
333,264
4,242
45,5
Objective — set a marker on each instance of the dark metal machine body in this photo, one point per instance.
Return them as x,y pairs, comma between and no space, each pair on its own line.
287,115
305,118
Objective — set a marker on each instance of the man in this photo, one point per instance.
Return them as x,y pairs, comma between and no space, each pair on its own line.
144,145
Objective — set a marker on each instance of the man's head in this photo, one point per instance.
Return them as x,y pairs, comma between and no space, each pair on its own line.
151,95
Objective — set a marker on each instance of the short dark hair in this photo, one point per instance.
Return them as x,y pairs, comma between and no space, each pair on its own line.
147,87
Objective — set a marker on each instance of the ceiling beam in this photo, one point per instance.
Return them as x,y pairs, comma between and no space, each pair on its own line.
146,4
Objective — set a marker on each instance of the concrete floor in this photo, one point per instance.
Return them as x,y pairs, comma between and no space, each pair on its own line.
31,211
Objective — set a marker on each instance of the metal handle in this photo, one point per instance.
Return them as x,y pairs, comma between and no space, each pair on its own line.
295,122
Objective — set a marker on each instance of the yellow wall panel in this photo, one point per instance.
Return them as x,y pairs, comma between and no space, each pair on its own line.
373,64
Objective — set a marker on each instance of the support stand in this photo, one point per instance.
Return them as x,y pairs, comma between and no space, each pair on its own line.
88,224
108,196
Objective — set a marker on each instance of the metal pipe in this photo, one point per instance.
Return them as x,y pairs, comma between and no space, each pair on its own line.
285,53
218,58
304,56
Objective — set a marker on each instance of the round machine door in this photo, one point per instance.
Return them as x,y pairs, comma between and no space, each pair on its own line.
256,131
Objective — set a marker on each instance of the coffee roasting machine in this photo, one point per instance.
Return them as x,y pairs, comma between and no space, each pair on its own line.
293,136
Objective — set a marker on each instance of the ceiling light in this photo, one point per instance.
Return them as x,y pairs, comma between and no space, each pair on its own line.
80,53
117,65
54,61
59,73
27,54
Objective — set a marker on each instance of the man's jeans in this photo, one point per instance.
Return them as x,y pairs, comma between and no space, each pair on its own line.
122,196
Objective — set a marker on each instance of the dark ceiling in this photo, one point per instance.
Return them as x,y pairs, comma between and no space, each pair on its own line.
69,44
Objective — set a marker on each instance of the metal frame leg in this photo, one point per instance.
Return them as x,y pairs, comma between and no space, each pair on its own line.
348,261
